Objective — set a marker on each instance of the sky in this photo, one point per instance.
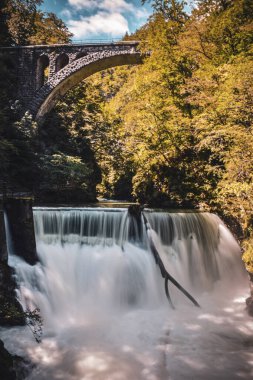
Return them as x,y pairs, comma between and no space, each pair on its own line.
99,19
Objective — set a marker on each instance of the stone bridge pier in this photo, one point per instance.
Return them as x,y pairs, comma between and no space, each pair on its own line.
45,73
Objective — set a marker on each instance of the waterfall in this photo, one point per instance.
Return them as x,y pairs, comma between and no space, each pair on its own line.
102,298
9,243
190,245
86,226
102,254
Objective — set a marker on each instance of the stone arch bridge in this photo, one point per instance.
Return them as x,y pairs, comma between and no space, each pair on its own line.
45,73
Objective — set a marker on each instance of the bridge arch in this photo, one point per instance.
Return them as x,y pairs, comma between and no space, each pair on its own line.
73,73
61,61
41,70
81,54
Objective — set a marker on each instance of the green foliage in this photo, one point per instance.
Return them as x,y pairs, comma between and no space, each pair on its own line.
64,171
66,137
20,161
18,158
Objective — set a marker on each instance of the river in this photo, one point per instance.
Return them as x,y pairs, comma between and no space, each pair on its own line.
104,309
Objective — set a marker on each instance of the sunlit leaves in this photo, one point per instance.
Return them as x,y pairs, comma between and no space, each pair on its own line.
21,19
49,29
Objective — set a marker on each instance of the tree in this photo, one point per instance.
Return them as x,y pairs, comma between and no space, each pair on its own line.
172,10
5,37
175,117
21,19
227,25
49,29
64,171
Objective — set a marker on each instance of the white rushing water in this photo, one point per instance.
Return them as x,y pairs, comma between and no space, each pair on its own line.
105,313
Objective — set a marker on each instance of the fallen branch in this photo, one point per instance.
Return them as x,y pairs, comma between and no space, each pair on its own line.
165,274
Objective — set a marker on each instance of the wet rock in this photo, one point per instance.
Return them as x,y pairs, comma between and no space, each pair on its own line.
11,313
20,218
12,367
135,210
251,283
3,246
6,364
135,228
249,300
249,304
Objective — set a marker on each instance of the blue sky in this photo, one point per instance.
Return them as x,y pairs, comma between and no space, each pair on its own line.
105,19
100,19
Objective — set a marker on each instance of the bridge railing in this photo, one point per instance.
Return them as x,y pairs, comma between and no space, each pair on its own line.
78,42
96,41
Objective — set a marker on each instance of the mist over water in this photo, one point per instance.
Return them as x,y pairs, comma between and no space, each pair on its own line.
103,303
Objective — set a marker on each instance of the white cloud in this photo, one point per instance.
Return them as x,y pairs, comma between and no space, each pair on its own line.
66,13
106,17
116,5
142,13
110,6
100,23
83,4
